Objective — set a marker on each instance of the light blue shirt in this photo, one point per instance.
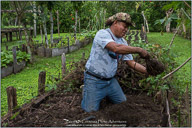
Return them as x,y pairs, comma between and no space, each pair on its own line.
99,62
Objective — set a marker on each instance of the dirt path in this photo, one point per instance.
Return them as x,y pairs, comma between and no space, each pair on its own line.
64,110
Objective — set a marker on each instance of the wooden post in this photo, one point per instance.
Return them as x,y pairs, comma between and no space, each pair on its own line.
68,44
29,52
20,35
10,36
11,98
63,63
41,83
14,59
7,37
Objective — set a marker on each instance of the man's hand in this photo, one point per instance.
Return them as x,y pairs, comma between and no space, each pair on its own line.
144,54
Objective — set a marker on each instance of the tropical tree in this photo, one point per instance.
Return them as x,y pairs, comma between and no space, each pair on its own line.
21,8
50,5
180,14
76,6
43,17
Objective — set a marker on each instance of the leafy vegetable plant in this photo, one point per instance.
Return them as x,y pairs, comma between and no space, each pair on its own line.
7,57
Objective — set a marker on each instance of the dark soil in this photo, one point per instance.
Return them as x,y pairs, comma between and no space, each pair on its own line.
154,67
63,109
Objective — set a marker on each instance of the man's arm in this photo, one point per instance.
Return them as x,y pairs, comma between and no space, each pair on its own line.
136,66
124,49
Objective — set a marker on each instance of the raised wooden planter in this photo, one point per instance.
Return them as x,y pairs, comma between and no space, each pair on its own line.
5,71
51,52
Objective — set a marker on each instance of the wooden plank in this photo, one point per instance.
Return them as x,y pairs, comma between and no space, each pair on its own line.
14,59
40,99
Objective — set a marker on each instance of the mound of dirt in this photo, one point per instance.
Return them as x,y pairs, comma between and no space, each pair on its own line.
63,109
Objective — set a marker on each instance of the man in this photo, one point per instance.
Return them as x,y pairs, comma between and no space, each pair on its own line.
108,47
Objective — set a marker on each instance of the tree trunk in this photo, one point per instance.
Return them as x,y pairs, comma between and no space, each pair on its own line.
34,20
58,22
45,30
168,27
20,32
184,30
41,32
145,22
173,38
51,30
16,21
75,29
168,13
26,34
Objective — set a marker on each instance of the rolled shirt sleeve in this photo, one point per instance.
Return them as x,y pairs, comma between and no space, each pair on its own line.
102,38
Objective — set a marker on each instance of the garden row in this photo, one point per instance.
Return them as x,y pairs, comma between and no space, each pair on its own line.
137,36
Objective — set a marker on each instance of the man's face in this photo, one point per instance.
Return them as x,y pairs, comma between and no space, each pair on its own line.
121,29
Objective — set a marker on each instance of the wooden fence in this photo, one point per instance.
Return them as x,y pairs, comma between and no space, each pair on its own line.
42,95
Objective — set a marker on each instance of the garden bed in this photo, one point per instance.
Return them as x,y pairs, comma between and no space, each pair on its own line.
5,71
63,109
51,52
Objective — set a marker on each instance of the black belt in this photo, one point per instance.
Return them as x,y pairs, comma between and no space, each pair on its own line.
99,77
